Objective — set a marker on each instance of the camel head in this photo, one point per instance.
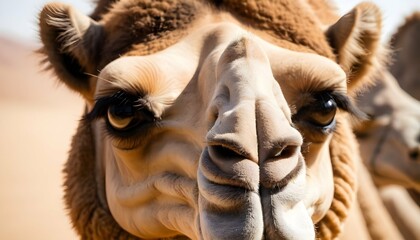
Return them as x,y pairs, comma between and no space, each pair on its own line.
211,120
389,139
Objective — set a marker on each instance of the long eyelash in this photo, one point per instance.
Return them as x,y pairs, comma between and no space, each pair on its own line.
102,104
344,103
100,109
97,76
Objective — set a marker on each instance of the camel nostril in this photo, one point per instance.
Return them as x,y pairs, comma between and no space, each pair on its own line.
224,152
414,154
284,152
287,151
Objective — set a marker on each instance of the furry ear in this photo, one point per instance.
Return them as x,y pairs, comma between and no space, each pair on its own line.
355,38
71,44
102,7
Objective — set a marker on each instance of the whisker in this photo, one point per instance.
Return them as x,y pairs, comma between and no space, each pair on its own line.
101,78
117,83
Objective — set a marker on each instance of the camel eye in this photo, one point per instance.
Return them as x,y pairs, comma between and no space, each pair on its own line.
125,114
323,111
318,114
120,116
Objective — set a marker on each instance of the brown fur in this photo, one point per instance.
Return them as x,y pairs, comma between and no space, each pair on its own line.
355,44
282,20
146,26
325,11
409,22
165,22
72,62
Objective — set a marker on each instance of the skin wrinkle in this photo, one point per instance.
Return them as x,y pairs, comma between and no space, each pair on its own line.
255,42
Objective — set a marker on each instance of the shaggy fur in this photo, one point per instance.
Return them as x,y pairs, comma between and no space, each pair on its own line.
147,26
325,11
150,26
73,61
362,32
281,19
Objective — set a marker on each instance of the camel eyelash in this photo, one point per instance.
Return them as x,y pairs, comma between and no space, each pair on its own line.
317,118
102,104
344,103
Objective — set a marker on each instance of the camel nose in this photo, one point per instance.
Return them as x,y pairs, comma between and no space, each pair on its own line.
252,153
257,151
252,131
279,146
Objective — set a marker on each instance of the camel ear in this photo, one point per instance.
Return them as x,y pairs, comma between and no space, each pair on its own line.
355,38
71,44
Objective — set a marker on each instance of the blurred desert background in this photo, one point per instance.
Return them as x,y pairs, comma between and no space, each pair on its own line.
37,120
38,117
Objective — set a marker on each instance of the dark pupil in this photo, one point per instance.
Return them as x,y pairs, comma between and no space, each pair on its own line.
325,111
122,110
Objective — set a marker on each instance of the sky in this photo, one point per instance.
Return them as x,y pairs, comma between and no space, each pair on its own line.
18,18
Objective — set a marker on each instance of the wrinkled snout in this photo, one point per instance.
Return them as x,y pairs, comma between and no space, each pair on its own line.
251,175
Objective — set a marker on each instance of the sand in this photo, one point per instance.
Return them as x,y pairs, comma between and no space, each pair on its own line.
37,120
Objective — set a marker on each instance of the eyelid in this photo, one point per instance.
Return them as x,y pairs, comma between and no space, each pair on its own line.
341,100
99,109
344,103
102,104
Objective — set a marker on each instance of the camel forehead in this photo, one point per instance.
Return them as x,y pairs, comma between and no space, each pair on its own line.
220,43
142,27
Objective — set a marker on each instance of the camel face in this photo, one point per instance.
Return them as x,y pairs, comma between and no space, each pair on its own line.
226,123
219,130
389,141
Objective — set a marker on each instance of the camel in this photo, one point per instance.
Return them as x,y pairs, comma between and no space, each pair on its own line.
388,146
390,141
212,119
403,67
